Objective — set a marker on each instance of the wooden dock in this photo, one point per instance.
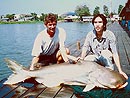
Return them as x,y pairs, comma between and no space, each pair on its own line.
31,89
123,45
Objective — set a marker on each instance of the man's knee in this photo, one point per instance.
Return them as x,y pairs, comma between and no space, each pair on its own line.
67,51
59,53
59,56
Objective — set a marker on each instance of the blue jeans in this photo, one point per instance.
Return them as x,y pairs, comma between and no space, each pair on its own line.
105,62
105,59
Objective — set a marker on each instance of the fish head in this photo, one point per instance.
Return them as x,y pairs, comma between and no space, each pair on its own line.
113,79
119,81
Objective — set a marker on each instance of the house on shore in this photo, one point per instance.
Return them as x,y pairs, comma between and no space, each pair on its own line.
125,12
69,16
125,15
3,18
87,18
22,17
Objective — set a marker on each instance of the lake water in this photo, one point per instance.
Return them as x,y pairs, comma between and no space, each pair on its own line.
16,41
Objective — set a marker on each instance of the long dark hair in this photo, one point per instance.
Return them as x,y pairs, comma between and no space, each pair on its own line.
103,18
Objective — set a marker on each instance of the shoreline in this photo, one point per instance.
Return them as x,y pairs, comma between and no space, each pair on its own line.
31,22
21,22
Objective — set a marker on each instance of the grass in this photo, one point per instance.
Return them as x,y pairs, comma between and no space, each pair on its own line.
20,22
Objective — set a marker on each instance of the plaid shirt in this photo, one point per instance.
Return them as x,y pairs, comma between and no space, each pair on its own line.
107,42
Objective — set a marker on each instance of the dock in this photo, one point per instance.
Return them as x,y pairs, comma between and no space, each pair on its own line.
32,89
123,45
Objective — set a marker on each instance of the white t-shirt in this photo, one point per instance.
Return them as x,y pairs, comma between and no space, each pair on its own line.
47,45
108,41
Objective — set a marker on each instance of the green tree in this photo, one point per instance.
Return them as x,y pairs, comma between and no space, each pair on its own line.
82,11
60,18
120,8
96,10
106,11
34,15
10,16
42,16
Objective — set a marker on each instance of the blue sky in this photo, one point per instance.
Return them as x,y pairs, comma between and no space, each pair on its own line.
55,6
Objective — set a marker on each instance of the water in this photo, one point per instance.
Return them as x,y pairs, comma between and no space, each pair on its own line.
16,41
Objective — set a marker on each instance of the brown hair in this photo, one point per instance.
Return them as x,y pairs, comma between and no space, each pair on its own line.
103,18
50,18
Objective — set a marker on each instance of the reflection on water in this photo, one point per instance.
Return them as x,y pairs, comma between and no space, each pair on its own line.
16,41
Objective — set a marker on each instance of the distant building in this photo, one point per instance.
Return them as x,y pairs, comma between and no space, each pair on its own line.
115,18
69,16
22,17
125,13
87,18
17,17
3,18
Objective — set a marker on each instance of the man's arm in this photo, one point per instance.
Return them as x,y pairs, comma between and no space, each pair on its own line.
62,38
85,47
36,50
115,54
117,62
34,61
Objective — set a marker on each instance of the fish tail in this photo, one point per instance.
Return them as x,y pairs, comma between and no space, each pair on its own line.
18,75
13,65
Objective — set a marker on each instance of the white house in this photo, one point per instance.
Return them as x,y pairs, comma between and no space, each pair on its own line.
116,17
22,17
3,18
87,18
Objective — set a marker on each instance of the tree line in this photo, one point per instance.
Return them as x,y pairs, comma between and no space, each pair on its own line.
80,11
84,11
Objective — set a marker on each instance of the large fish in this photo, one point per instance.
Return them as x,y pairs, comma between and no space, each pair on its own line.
89,74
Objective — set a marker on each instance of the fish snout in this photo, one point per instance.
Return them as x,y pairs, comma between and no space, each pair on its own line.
119,86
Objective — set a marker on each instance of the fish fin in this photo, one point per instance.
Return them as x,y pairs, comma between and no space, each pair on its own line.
88,87
49,82
19,74
52,83
13,65
39,80
74,83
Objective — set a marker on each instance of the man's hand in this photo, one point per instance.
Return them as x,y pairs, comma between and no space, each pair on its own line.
124,74
71,61
31,67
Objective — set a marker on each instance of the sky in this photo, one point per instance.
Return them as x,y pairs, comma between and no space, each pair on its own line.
54,6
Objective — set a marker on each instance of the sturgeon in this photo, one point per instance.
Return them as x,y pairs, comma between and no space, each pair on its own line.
86,73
